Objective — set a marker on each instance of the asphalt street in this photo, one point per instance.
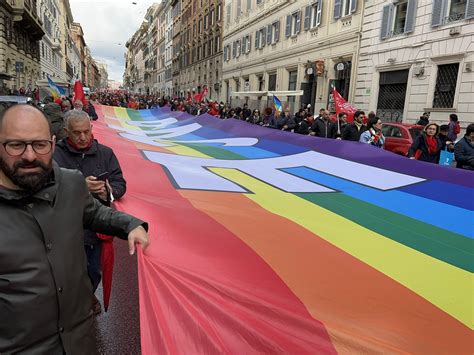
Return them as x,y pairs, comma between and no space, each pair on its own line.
118,329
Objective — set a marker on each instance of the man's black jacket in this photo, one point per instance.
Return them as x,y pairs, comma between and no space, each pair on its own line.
92,162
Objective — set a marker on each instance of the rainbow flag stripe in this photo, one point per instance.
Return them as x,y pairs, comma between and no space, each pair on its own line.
265,241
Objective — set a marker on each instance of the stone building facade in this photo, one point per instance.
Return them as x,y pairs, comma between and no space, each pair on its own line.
20,32
201,43
278,45
51,53
416,56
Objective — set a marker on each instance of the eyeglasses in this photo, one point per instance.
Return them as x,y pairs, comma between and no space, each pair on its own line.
17,148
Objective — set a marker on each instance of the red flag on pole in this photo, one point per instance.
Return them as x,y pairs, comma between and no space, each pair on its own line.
343,106
201,95
79,93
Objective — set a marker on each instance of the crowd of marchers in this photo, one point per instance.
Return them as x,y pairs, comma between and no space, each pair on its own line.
427,146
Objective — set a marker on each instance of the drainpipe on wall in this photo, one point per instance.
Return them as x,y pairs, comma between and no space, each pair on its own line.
357,54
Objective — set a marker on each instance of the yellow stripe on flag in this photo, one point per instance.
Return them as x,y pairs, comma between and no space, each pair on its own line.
444,285
186,151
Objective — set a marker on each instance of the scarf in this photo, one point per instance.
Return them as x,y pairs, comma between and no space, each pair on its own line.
432,144
376,138
72,144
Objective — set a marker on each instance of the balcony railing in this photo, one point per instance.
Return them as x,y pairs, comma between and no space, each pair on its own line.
454,18
30,5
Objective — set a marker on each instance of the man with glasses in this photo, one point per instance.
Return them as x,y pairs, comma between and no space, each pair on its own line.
353,130
45,292
103,175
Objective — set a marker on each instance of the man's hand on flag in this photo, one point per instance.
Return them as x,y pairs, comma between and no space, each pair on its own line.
137,236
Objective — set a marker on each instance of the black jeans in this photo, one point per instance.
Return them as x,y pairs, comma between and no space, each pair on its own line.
93,252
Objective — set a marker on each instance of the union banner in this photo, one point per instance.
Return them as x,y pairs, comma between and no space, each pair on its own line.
265,241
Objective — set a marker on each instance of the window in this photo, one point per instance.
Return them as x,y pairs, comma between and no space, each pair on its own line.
260,38
228,13
396,132
456,10
398,18
219,12
238,48
447,11
246,44
392,95
312,15
259,2
293,24
205,21
445,85
239,7
249,5
200,26
211,18
217,44
273,33
272,79
293,77
344,8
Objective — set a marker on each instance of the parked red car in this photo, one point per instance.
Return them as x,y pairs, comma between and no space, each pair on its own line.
400,136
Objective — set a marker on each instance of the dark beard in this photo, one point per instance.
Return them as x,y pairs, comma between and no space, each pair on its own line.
31,182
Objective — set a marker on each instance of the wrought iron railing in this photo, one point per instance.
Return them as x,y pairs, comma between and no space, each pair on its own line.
391,102
445,88
454,18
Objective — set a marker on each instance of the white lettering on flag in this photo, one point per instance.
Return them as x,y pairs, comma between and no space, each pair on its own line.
192,173
158,142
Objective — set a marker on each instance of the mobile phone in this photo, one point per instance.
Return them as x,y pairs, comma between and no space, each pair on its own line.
103,176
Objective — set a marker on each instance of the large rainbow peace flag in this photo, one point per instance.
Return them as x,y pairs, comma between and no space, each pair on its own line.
269,242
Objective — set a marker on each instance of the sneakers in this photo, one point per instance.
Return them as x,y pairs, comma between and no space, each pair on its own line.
96,307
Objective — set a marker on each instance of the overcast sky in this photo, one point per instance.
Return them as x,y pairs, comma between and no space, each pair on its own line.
107,25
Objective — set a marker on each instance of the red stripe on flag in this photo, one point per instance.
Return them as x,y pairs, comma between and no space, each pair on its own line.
202,290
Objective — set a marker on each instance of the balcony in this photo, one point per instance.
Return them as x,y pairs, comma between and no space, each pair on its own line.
25,13
55,44
69,69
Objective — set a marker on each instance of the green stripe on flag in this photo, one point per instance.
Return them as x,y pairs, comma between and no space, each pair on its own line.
215,152
436,242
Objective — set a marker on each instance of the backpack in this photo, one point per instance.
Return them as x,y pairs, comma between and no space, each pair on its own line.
457,128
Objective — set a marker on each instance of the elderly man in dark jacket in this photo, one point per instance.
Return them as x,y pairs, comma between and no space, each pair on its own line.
101,170
45,292
464,150
321,125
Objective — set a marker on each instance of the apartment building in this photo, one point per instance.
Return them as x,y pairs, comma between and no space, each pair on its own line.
176,51
77,35
150,50
416,56
201,38
20,32
160,43
134,75
168,87
50,45
277,45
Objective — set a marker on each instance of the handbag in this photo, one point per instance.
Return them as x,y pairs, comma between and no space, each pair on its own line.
445,157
